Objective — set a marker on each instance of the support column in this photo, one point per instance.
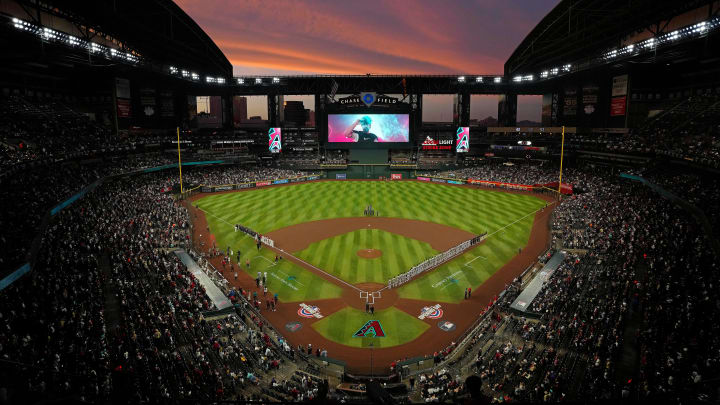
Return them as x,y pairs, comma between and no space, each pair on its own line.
273,111
507,110
461,110
227,108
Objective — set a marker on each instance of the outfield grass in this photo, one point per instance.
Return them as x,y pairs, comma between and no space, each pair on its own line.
338,255
473,210
399,327
291,282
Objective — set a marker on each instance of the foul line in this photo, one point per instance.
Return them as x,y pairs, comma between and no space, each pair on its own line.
288,276
320,270
477,257
516,221
263,257
210,213
288,254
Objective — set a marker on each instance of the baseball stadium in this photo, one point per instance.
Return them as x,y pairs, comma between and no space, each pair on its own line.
198,210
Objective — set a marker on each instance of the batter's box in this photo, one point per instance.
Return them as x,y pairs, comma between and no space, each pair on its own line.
370,297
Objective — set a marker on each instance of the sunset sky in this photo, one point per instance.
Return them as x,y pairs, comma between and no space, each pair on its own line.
356,37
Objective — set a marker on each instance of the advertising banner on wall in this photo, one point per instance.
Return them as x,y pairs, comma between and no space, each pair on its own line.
122,88
340,176
123,108
396,176
441,143
617,106
619,86
570,101
147,101
510,186
423,178
589,98
167,104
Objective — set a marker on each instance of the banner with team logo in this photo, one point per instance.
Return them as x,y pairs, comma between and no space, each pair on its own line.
275,140
462,142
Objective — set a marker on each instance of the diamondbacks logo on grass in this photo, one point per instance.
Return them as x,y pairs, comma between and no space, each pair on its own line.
371,328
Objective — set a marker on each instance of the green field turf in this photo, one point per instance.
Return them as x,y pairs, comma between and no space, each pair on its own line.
399,327
337,255
291,282
448,282
474,210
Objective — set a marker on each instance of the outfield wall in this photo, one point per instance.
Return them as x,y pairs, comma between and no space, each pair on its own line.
368,172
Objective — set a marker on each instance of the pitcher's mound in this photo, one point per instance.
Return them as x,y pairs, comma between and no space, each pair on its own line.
369,253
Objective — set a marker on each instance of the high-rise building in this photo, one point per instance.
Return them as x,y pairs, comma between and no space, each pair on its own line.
295,113
240,110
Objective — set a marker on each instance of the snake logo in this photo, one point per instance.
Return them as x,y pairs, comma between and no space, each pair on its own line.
371,328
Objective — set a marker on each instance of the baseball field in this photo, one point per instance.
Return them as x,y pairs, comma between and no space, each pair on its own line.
335,261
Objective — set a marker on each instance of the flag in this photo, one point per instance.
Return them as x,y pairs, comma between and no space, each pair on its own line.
333,88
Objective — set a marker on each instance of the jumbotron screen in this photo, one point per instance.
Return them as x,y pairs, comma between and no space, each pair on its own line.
369,128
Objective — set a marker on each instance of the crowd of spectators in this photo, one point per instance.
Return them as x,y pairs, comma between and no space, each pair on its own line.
110,312
527,173
219,175
698,188
627,315
45,130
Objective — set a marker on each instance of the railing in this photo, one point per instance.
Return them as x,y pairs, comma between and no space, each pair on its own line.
435,261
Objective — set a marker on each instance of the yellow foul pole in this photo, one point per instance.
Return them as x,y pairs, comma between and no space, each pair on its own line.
180,161
562,154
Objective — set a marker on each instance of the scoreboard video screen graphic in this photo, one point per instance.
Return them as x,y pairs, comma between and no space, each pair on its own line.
368,128
462,142
275,140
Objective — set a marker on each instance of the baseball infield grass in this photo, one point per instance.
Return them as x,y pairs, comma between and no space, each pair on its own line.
399,327
338,255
